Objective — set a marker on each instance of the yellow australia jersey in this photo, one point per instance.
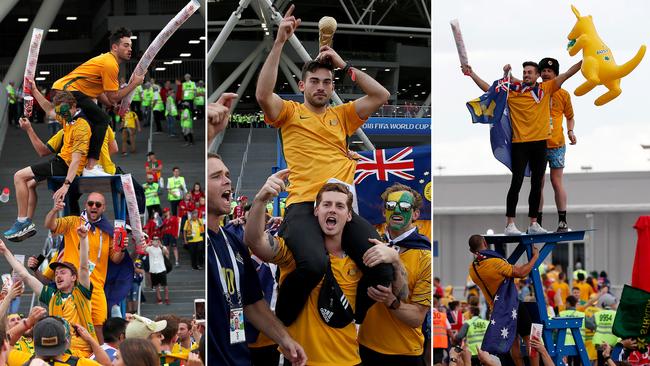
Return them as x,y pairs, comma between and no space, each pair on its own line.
55,143
75,309
93,77
76,138
129,119
315,147
530,119
379,321
561,106
324,345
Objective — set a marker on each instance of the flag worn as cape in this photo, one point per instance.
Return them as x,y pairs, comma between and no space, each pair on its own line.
492,108
641,270
379,169
502,329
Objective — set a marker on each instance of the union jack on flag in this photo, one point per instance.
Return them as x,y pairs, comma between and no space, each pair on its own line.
502,85
381,165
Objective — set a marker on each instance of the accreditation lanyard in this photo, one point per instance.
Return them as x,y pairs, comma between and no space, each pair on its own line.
222,273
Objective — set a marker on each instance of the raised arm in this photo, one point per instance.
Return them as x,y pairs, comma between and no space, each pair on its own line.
270,102
15,291
47,106
50,218
260,242
84,270
30,280
523,270
39,146
467,70
376,94
560,79
115,97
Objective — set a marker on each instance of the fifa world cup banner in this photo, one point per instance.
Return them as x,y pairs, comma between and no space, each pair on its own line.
379,169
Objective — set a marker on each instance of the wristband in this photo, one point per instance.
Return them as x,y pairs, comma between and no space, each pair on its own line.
67,182
24,321
346,68
395,304
569,131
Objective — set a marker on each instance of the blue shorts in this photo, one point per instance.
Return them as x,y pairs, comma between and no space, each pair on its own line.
555,157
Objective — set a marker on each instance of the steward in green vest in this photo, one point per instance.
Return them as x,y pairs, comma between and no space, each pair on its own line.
473,330
189,90
171,113
151,190
604,320
571,312
136,102
13,106
158,108
176,189
147,100
186,124
199,99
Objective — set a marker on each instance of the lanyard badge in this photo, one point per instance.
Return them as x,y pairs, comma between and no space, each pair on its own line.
236,316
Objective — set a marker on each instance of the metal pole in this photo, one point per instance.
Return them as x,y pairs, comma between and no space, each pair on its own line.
235,74
295,69
225,32
290,79
347,11
44,18
365,12
6,7
247,80
426,103
300,49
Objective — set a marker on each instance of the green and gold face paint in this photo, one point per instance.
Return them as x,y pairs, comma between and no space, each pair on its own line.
399,210
63,110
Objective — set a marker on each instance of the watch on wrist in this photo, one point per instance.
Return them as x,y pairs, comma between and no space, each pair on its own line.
67,182
453,359
395,304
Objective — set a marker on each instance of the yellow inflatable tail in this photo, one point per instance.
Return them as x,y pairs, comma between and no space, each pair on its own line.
627,67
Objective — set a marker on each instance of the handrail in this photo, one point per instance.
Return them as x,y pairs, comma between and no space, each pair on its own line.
244,161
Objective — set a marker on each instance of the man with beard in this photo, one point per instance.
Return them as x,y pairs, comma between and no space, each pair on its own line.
314,142
325,326
100,238
97,78
389,315
235,288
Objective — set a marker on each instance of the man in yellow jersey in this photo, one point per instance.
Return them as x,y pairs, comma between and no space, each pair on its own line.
69,296
100,237
530,116
403,321
325,325
186,343
488,272
555,145
69,162
130,124
97,78
314,142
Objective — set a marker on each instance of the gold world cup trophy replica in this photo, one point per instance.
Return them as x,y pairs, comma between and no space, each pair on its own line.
326,29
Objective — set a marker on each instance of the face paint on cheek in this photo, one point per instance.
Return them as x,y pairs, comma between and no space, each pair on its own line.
63,110
406,216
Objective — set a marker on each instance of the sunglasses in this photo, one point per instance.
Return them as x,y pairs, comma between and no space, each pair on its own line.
93,203
392,205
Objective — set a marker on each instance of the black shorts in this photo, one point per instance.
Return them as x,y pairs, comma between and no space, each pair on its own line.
159,279
523,320
55,167
168,239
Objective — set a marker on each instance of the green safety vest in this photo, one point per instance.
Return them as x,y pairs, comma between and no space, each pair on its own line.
151,194
575,274
568,340
604,321
186,118
147,97
233,204
159,106
11,92
171,107
475,334
175,188
269,206
137,95
199,99
117,118
189,90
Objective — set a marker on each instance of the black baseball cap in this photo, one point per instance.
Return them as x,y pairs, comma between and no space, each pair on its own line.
333,307
550,63
54,265
50,337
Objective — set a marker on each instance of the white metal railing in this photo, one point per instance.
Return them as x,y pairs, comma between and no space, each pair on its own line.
243,161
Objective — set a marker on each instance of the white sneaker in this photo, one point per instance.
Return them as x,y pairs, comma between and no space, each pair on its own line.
96,171
511,229
535,228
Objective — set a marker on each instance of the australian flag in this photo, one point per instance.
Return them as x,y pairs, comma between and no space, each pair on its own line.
380,169
492,108
502,330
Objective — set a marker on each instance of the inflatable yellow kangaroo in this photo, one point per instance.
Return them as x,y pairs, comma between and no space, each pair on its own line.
598,65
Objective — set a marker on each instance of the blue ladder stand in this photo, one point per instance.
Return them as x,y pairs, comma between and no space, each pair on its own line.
280,164
111,183
556,349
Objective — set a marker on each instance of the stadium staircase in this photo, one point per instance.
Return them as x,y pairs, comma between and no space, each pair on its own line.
260,157
184,283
